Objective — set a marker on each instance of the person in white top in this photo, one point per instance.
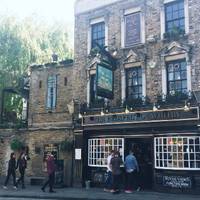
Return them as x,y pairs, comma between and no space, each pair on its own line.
108,182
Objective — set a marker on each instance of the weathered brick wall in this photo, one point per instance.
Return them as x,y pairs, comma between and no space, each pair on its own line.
38,114
35,139
113,14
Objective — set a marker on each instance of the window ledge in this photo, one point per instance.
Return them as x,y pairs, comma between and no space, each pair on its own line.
180,37
133,46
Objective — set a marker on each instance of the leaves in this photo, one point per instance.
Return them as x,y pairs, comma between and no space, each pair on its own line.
23,43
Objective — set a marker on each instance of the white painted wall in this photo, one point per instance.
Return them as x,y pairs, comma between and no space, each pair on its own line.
86,5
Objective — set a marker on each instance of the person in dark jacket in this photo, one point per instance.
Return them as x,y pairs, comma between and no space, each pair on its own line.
115,163
51,167
22,164
11,171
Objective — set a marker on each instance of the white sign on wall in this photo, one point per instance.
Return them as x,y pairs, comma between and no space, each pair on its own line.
78,154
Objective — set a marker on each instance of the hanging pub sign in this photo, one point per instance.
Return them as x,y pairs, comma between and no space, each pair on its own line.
104,81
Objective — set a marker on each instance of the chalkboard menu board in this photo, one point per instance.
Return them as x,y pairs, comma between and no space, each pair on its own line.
132,29
180,182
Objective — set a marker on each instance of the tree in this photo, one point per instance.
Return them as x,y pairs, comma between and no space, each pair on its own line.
23,43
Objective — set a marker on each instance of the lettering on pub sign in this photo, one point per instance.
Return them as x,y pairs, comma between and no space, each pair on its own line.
165,115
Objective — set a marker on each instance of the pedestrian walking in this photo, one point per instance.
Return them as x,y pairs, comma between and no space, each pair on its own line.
108,182
132,169
11,171
22,165
115,163
51,167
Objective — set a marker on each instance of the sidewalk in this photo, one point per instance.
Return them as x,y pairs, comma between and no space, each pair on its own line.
91,194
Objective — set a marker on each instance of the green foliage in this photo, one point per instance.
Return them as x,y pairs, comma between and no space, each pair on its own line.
175,34
23,43
16,145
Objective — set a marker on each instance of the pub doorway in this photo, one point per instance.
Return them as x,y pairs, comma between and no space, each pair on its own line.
143,151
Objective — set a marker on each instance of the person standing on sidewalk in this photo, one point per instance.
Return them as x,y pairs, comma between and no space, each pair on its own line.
51,167
22,164
108,182
11,171
132,168
115,163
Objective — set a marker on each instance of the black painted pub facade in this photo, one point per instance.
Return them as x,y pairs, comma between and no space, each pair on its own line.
166,143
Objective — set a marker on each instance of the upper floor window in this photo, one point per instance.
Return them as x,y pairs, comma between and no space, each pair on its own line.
134,83
132,29
177,76
175,16
98,34
51,91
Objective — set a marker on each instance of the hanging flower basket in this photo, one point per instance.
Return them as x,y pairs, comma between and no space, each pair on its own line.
16,145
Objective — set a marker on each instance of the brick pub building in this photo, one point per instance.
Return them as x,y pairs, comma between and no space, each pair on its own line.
134,83
137,63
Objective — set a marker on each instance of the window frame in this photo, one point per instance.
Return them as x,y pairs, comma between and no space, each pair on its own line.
162,17
130,11
51,92
175,153
103,38
94,143
181,80
132,86
171,4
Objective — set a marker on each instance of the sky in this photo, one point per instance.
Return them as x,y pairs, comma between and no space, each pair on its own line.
48,10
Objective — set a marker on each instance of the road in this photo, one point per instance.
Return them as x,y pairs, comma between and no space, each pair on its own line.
4,198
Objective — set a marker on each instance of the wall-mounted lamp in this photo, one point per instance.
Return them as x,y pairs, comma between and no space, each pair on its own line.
155,108
102,113
127,110
80,116
187,106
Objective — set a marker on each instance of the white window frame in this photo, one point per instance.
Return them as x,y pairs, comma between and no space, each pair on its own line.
93,143
162,17
92,22
142,26
123,80
176,146
164,72
51,102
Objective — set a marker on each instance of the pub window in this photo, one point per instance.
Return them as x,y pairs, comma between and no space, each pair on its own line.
175,16
177,77
132,29
134,82
98,34
51,91
99,149
177,152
